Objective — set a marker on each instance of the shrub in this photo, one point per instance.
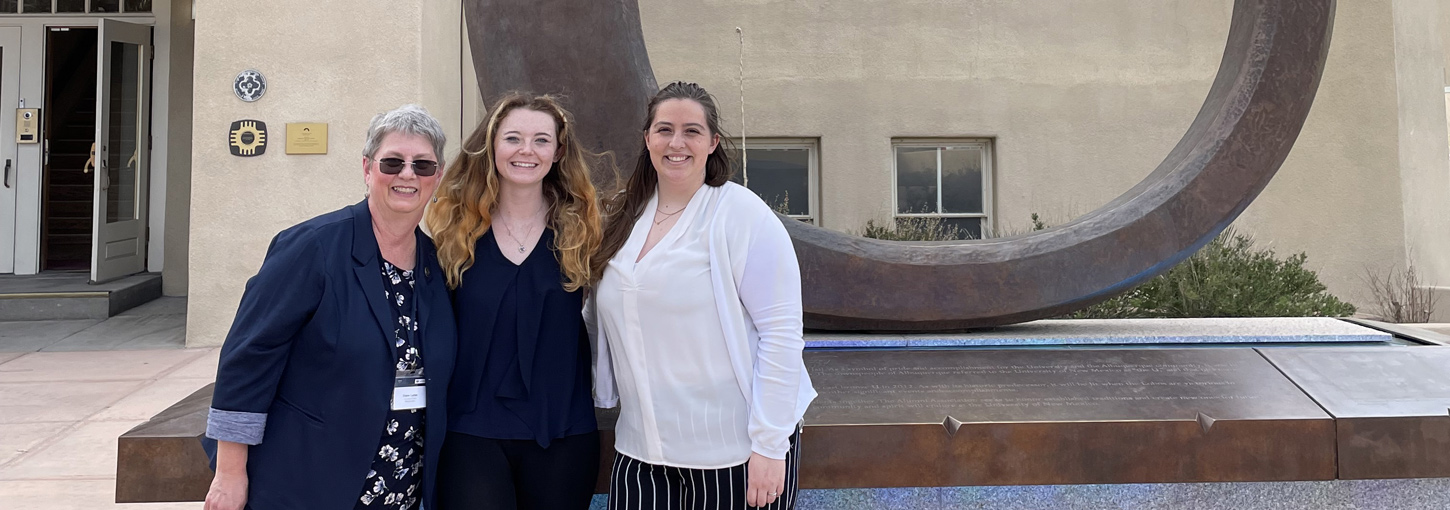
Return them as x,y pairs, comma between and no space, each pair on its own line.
913,228
1228,277
1399,295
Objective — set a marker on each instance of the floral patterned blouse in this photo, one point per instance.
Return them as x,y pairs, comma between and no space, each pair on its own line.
395,479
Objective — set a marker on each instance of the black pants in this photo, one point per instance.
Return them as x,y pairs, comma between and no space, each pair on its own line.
635,484
480,473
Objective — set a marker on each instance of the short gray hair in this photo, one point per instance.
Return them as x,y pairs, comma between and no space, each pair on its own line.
408,119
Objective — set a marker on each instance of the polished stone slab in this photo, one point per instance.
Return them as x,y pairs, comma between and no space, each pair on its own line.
1391,406
1059,332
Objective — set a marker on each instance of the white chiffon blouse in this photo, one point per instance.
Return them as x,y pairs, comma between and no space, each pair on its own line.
699,342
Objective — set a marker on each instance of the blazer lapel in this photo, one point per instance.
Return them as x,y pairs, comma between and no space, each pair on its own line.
368,271
427,293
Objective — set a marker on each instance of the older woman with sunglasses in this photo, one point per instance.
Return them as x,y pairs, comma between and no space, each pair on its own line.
329,393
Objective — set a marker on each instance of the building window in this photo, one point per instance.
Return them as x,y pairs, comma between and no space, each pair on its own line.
947,179
74,6
783,172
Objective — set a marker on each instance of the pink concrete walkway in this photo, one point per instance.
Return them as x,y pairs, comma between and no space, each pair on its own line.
61,412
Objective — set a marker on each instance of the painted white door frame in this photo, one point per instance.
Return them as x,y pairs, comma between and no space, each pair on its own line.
9,96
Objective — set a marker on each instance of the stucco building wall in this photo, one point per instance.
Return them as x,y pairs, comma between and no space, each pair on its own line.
175,273
333,61
1424,161
1082,100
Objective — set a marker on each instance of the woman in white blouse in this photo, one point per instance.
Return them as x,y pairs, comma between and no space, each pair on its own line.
697,324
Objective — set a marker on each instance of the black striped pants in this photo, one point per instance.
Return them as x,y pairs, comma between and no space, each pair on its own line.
638,485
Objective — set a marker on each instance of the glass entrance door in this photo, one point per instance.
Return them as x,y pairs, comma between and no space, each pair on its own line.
122,150
9,188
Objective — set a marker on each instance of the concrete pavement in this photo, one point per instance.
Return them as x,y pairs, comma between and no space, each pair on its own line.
68,389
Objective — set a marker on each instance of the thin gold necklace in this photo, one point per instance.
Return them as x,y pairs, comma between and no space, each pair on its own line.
667,215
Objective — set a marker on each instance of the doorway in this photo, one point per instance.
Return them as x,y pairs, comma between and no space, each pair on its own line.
67,181
77,66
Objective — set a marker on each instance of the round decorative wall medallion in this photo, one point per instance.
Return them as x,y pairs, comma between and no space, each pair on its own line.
249,85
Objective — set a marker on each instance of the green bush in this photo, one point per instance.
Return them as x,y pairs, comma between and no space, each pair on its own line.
1228,277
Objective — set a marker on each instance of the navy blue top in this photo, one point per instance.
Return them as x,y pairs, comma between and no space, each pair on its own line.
523,354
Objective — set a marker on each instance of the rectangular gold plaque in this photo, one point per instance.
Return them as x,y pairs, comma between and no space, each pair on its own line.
307,138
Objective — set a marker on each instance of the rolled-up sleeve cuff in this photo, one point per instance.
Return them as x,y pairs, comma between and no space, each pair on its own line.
236,426
606,403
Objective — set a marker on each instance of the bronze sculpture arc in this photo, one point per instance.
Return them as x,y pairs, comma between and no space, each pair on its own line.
1266,82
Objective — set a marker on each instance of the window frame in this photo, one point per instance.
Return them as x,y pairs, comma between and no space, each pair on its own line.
55,4
988,175
813,168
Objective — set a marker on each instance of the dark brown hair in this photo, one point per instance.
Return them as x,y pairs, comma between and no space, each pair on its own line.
623,208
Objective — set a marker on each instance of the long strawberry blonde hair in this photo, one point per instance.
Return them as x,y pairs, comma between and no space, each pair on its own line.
469,192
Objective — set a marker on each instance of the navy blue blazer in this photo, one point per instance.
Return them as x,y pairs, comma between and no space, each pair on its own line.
310,352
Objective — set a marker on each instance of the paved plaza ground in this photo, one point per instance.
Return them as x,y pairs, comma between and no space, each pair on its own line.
69,388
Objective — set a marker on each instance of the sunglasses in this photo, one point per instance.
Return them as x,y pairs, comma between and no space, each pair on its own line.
394,166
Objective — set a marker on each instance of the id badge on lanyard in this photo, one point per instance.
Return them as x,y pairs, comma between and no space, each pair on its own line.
410,390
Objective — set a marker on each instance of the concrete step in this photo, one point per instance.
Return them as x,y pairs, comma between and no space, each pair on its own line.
69,295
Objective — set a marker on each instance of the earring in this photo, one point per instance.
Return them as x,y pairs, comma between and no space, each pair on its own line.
435,200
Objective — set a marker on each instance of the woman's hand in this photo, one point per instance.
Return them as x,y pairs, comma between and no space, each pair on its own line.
229,486
765,479
228,492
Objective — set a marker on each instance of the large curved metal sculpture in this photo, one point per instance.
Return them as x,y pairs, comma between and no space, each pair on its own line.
1265,85
590,51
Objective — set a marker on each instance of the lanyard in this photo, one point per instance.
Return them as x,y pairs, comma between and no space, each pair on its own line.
417,325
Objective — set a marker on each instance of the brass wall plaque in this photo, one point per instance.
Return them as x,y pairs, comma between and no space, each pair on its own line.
1391,405
307,138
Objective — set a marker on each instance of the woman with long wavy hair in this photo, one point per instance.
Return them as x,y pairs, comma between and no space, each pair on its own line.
516,223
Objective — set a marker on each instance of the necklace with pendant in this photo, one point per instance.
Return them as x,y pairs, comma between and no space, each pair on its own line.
527,233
